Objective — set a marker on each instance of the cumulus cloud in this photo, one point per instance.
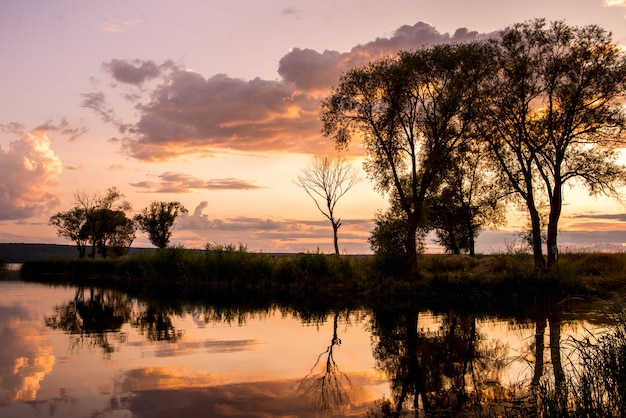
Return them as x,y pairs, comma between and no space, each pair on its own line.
171,182
26,357
29,169
186,113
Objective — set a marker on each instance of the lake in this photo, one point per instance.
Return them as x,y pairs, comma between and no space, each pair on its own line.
90,352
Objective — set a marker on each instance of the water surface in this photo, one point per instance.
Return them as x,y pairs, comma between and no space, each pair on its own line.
89,352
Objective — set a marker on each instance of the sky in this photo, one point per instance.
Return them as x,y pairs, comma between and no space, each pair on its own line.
216,105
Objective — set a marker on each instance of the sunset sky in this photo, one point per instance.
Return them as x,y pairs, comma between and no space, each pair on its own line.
216,105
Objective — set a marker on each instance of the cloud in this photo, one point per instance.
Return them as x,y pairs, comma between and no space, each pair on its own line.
64,128
178,392
620,217
170,182
186,348
272,235
97,102
115,26
193,115
292,12
29,169
135,72
186,113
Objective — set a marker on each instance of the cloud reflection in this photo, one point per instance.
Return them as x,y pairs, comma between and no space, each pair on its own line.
25,356
169,392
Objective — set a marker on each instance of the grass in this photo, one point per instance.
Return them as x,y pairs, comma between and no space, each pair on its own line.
489,281
596,381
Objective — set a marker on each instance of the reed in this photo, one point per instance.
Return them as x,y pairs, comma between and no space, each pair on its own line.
596,381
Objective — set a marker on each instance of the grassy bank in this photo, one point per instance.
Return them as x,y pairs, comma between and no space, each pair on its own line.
482,278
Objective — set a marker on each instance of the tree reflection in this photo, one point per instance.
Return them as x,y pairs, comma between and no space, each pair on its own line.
92,317
443,369
157,325
328,387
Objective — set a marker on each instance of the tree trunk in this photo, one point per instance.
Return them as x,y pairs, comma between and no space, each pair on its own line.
540,331
555,350
556,203
535,221
411,249
335,239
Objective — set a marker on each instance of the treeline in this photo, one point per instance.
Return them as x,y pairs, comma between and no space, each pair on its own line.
455,132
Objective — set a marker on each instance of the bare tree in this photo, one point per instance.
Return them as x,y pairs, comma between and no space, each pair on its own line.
326,180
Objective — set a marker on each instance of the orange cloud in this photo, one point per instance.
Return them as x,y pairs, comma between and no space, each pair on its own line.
29,169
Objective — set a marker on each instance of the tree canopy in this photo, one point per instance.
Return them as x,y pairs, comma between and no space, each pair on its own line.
158,221
412,113
554,114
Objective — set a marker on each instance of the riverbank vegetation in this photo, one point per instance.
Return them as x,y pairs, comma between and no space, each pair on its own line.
483,278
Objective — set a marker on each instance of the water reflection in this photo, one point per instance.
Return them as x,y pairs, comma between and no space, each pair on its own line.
92,317
157,357
449,366
326,384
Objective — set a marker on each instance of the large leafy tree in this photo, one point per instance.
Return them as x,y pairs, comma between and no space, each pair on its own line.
555,114
158,221
411,113
326,180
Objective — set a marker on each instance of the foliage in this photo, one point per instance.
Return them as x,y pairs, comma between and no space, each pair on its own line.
555,115
94,220
413,112
470,197
326,180
158,221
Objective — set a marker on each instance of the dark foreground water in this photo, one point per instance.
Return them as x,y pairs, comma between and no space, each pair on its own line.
88,352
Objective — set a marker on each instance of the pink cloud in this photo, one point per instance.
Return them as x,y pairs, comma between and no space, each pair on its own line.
171,182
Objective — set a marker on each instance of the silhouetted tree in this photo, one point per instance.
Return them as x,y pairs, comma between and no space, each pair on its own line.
555,114
326,180
96,221
158,221
330,388
469,198
69,225
412,112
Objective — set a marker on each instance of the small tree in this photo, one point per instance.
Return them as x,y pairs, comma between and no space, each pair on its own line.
95,221
326,180
471,196
158,221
